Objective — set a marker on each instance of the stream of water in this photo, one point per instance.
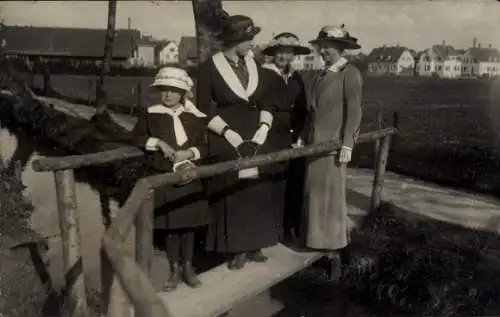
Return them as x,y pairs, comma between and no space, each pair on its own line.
40,191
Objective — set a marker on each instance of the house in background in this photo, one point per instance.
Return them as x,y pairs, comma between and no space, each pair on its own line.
432,60
76,45
479,61
447,62
311,61
144,52
452,65
395,60
166,52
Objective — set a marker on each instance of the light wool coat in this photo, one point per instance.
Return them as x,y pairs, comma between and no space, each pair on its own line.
334,114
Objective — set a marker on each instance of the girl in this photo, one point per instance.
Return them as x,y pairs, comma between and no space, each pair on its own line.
173,134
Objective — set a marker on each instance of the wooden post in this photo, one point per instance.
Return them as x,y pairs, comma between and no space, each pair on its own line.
101,101
117,304
377,142
90,91
378,180
18,170
144,239
76,305
139,98
395,124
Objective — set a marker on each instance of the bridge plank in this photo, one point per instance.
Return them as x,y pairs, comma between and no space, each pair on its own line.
223,289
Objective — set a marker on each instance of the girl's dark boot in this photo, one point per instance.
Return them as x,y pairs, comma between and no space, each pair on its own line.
175,277
189,275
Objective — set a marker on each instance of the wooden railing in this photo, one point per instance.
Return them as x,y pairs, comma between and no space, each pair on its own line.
133,274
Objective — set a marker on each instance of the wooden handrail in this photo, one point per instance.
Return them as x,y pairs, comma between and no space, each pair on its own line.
77,161
45,164
258,160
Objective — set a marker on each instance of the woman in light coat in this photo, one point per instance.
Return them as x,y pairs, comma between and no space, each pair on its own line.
334,114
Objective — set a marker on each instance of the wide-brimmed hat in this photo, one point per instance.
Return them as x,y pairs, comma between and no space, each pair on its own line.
238,28
338,35
173,77
286,39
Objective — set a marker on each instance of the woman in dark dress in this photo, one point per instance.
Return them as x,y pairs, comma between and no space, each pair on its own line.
288,123
174,134
230,92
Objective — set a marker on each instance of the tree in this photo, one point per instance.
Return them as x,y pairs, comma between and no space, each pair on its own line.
108,57
207,16
2,27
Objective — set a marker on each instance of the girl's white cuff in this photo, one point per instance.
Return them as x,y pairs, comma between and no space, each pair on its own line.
152,144
196,152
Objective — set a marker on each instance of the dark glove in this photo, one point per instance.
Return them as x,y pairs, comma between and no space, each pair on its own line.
247,149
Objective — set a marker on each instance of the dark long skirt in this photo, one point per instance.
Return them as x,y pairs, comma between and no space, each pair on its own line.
244,217
294,196
180,207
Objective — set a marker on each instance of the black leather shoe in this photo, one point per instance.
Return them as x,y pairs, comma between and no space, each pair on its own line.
189,275
175,277
237,262
257,256
335,267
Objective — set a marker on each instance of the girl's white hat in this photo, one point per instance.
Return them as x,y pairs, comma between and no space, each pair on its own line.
173,77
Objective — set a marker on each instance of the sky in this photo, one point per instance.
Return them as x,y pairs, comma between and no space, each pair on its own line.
417,24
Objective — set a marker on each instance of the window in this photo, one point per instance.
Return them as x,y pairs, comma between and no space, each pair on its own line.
172,49
447,68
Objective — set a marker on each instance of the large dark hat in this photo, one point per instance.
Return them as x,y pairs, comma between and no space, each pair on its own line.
337,35
286,40
238,28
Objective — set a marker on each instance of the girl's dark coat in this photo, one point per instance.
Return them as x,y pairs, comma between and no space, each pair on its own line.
176,206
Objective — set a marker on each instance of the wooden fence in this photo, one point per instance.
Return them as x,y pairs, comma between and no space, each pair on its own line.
134,274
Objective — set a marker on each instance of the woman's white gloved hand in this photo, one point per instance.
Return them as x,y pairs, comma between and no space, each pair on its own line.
260,135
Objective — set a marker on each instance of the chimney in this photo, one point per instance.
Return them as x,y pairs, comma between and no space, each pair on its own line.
489,45
129,23
444,42
478,45
474,41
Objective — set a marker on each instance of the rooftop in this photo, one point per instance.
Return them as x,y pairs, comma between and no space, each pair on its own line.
77,42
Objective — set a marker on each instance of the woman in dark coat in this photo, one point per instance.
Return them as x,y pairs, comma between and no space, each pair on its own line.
174,134
230,91
288,123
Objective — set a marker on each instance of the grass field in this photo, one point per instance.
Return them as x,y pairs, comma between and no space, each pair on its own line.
450,129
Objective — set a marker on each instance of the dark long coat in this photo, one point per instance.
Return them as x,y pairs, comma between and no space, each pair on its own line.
288,123
243,209
177,207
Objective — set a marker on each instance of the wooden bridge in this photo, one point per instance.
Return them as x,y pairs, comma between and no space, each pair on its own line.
130,292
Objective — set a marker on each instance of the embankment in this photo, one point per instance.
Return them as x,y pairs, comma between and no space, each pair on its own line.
24,283
71,134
